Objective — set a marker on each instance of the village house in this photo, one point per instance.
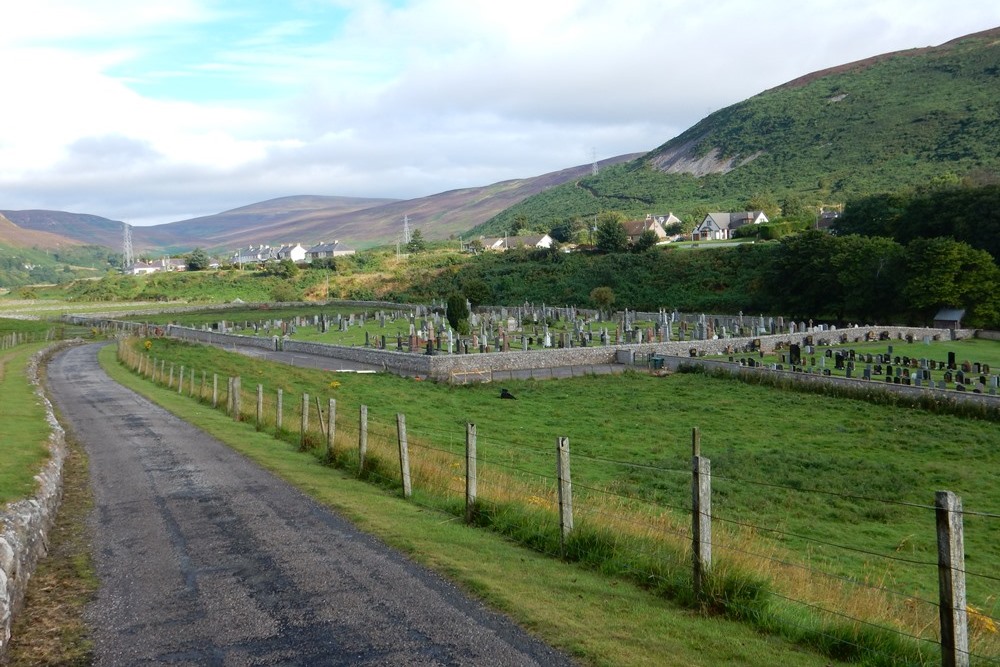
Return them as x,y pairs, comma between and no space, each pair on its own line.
296,253
157,266
253,255
635,228
503,243
720,226
335,249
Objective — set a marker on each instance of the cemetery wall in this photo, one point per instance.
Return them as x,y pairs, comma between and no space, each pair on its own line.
222,339
388,359
24,525
988,335
735,369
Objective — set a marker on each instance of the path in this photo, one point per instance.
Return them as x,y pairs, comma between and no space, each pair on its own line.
206,559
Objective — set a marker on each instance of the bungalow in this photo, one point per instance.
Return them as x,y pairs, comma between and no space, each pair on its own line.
507,242
157,266
335,249
720,226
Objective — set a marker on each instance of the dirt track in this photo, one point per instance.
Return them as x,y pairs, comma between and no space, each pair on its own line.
205,559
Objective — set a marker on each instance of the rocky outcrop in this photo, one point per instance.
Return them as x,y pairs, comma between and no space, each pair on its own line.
684,159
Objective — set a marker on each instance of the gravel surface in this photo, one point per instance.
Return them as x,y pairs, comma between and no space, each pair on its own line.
205,559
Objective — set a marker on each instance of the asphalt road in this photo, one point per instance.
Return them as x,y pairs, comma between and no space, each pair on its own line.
206,559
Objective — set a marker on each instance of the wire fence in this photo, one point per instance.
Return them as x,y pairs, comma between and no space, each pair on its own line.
828,591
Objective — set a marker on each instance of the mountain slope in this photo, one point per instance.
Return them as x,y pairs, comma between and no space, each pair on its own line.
81,227
17,237
885,123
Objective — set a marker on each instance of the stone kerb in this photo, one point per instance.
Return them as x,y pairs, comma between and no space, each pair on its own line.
25,524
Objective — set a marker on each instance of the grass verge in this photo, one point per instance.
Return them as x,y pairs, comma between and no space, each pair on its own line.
598,619
24,432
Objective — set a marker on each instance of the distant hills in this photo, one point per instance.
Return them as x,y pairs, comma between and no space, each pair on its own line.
357,222
894,121
891,122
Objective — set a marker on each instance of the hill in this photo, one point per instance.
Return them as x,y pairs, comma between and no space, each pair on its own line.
886,123
358,222
14,236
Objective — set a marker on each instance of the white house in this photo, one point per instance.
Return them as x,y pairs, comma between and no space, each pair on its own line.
720,226
157,266
296,253
500,244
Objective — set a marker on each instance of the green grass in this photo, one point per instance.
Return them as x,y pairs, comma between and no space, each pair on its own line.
803,468
599,620
24,430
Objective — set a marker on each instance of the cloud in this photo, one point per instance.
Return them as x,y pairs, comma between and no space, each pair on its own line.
167,109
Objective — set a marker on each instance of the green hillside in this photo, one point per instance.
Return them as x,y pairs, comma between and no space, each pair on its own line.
884,124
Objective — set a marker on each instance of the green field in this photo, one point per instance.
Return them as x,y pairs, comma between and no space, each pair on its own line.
794,473
24,431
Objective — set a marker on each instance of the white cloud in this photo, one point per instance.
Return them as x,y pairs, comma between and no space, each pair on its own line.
165,109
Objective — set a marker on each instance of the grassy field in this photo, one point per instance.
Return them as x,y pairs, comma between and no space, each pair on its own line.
599,619
794,473
24,430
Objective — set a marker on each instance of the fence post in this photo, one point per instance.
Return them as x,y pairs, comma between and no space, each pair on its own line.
201,392
304,422
565,491
331,427
152,375
951,580
180,380
362,437
163,365
701,514
279,411
470,471
404,456
260,405
191,388
170,384
215,390
237,397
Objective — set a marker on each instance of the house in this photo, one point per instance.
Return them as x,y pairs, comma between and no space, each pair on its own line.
949,318
335,249
253,255
720,226
296,253
503,243
635,228
157,266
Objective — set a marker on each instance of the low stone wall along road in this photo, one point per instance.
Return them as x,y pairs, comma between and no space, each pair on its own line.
206,559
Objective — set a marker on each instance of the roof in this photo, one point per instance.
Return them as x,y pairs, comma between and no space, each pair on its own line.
952,314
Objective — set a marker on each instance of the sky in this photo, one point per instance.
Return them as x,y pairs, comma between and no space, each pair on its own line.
164,110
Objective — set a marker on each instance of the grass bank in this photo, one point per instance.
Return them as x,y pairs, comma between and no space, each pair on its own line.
24,431
599,619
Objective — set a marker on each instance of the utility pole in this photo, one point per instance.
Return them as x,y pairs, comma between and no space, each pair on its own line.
128,259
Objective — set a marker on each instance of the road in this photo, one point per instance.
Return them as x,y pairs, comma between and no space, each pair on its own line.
205,559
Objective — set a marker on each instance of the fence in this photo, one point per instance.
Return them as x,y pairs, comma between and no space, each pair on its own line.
8,341
677,544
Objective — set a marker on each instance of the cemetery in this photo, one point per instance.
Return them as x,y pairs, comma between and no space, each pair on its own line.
511,342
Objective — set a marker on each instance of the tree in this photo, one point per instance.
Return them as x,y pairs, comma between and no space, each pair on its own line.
458,313
943,272
328,263
417,242
646,240
284,269
764,201
519,224
198,260
603,298
610,235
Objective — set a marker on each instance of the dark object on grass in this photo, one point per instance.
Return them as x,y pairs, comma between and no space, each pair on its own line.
506,394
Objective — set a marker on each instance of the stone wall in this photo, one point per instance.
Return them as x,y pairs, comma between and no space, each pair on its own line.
401,362
25,524
219,339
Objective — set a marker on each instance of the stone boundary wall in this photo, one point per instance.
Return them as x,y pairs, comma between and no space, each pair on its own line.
263,306
25,524
940,395
988,335
220,339
405,362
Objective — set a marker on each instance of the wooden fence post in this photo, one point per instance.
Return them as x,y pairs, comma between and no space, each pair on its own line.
152,375
163,365
470,471
170,384
565,491
304,422
279,411
701,514
331,427
951,580
404,456
215,390
180,380
201,392
362,437
237,397
260,405
191,388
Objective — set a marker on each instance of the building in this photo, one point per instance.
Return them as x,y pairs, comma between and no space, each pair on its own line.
720,226
157,266
335,249
296,253
504,243
636,228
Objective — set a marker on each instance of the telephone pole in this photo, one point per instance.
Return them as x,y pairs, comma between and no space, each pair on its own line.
128,259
